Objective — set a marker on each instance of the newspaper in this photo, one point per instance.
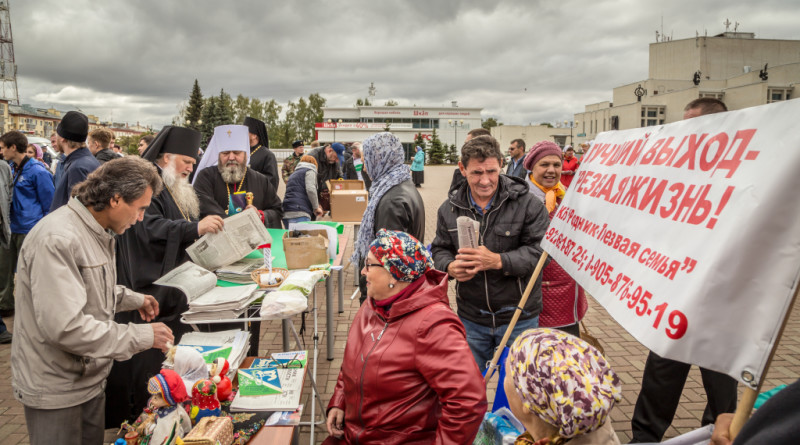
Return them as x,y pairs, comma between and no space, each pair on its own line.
292,386
191,279
241,234
239,271
231,345
467,232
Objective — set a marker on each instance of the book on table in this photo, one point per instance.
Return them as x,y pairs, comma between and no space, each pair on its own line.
290,369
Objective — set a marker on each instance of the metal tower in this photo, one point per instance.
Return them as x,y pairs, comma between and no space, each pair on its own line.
8,66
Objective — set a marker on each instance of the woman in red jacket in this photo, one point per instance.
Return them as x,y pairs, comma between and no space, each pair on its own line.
563,301
408,376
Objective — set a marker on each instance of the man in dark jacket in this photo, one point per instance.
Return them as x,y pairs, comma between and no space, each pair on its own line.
70,137
517,152
328,168
492,277
98,143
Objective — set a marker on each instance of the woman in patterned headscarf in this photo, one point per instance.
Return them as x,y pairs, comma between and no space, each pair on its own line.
408,375
562,389
394,202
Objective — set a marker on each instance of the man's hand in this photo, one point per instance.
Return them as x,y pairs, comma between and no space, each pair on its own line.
210,224
318,211
457,270
722,430
149,308
335,423
480,259
250,206
162,337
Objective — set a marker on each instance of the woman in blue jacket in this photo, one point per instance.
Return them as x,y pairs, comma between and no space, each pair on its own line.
418,167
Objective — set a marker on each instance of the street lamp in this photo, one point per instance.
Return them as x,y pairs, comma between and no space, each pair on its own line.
335,124
571,126
198,122
455,125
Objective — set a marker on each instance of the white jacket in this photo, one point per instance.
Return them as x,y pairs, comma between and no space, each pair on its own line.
65,338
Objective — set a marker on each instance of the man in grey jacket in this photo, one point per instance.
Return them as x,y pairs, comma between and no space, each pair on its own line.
5,239
66,300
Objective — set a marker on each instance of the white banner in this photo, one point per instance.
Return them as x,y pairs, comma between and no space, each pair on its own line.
689,234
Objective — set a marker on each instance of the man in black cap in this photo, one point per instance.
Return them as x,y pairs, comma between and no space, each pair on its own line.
79,162
262,159
290,163
148,251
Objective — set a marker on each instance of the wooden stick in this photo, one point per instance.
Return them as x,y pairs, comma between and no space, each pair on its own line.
517,312
750,395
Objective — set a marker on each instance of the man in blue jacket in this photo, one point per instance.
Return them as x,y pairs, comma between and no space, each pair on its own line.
32,193
71,137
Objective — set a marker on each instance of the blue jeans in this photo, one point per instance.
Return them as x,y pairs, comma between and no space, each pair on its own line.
288,221
484,340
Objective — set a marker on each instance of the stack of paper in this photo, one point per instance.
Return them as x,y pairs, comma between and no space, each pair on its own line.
222,303
231,345
239,272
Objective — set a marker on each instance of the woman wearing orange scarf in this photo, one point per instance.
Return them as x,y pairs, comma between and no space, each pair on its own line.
563,301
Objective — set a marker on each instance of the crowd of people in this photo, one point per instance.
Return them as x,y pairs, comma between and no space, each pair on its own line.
108,226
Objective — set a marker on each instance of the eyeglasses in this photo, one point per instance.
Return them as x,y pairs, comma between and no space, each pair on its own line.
368,265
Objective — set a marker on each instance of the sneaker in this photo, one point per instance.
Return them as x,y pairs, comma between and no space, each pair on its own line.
5,338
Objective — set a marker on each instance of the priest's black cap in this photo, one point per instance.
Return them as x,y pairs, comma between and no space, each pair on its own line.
296,144
258,128
74,126
175,140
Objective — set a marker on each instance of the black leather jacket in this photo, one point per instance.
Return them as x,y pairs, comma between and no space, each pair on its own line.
513,227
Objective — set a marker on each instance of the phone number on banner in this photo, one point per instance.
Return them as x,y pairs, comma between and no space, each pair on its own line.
639,299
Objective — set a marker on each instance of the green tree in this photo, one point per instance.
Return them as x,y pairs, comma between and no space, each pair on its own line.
436,155
242,108
194,110
547,124
209,117
489,123
364,103
225,108
419,141
452,155
391,103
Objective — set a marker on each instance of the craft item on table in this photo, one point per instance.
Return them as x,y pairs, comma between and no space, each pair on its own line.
204,400
259,382
303,280
211,431
168,394
219,374
188,363
279,304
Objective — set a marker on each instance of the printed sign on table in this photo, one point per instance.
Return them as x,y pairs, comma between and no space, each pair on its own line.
689,234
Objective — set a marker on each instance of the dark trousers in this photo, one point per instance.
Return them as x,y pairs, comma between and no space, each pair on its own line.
8,265
662,385
76,425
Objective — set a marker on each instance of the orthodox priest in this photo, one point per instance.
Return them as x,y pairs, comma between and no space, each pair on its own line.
223,179
262,159
148,251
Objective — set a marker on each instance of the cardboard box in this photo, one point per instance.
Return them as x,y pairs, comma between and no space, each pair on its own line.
303,252
349,200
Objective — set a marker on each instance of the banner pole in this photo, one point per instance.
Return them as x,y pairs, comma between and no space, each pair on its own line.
517,312
750,395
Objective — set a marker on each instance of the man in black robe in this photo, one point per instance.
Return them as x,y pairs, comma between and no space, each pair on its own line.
262,159
150,250
222,187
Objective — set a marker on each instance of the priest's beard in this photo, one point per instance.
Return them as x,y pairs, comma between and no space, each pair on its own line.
232,173
182,192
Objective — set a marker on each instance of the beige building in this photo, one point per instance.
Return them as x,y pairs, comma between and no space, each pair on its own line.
532,134
734,67
43,121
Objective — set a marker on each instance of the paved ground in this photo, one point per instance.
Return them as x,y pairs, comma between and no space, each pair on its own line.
626,355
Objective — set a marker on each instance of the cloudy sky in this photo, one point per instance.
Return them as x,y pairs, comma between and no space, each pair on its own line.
521,61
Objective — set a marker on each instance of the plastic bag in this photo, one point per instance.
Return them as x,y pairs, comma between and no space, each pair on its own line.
499,428
282,304
303,280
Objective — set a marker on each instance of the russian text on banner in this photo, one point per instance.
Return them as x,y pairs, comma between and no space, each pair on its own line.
689,234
